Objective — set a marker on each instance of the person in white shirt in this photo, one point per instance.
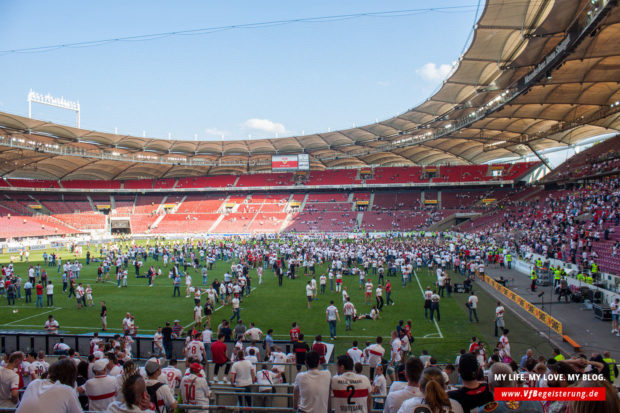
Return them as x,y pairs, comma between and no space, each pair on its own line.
242,375
265,379
350,391
379,388
472,304
51,325
375,354
504,340
101,389
349,313
333,317
171,375
9,380
195,349
396,349
164,394
499,318
311,390
395,398
309,293
235,308
254,333
355,353
435,398
54,394
158,343
194,388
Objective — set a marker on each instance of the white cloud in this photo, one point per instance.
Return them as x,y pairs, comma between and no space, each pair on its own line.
433,72
264,125
216,132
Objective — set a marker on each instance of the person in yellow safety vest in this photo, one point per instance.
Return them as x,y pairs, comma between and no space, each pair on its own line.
594,269
557,276
539,262
589,279
581,277
557,355
509,260
533,277
613,369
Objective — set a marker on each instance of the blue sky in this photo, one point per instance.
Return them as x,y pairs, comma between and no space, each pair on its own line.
287,79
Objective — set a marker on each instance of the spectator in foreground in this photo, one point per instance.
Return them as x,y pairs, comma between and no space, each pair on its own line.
311,391
473,393
395,399
609,405
54,394
136,398
435,398
9,380
529,406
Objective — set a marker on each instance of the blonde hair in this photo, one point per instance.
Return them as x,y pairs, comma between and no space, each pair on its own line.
432,385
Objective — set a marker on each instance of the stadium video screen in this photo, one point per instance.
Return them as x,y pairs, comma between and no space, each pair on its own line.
290,163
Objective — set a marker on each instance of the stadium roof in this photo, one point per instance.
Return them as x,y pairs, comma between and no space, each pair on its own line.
538,74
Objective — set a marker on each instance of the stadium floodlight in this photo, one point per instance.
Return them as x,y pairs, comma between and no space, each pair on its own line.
49,100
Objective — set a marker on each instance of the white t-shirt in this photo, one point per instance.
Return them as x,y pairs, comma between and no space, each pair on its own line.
9,381
349,308
396,347
356,354
473,302
396,397
375,354
195,349
101,391
313,388
332,313
350,392
243,370
207,336
50,289
171,376
265,380
195,390
309,290
49,396
254,333
235,303
410,405
381,384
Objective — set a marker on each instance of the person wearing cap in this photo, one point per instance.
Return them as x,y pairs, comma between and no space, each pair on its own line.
194,388
101,389
154,387
473,393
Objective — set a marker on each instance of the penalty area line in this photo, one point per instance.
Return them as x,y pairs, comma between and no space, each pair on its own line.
422,291
32,316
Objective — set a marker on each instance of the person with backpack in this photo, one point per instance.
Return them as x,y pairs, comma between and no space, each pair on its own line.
160,394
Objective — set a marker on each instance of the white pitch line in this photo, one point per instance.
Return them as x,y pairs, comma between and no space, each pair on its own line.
422,291
63,327
32,316
220,307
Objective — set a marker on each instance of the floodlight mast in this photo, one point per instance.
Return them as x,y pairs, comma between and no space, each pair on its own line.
49,100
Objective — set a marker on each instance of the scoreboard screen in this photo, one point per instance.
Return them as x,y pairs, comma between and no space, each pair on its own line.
290,163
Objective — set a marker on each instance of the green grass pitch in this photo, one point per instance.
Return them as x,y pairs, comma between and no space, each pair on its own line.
270,306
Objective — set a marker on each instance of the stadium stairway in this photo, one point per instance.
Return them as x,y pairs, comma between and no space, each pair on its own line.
371,201
92,204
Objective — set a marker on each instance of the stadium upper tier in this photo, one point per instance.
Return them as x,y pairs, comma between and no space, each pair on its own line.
373,177
538,74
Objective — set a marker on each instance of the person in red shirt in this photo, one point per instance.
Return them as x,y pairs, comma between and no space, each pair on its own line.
39,289
473,347
320,348
294,333
388,293
219,354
